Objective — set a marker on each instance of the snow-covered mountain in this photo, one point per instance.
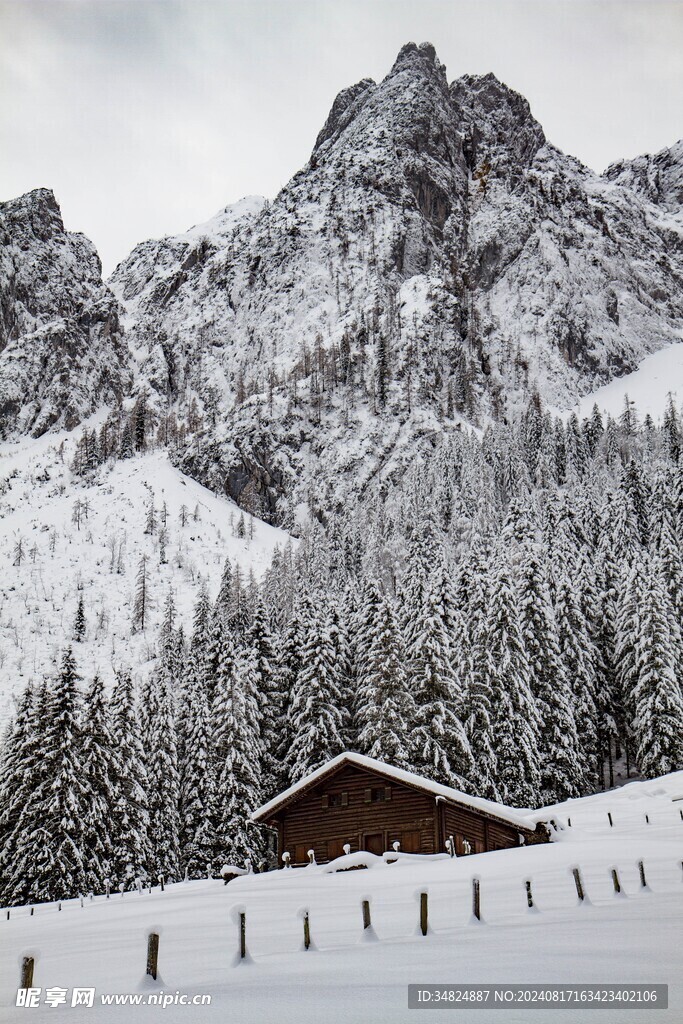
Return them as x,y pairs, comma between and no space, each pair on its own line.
431,210
62,352
436,261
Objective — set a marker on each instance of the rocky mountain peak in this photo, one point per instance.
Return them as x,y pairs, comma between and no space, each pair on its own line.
658,178
36,214
422,60
346,105
499,128
61,351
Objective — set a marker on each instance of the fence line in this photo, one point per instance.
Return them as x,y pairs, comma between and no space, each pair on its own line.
239,913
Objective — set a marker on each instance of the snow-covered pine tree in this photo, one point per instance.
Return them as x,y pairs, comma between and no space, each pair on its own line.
439,747
79,620
159,739
516,722
197,783
387,702
100,773
130,814
238,745
151,516
142,597
52,856
20,775
223,598
315,719
579,661
627,631
261,641
658,724
558,741
471,661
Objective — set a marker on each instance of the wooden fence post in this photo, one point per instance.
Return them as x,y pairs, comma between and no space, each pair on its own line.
307,931
615,880
243,935
32,909
569,822
366,914
641,869
579,884
476,899
161,882
152,954
529,897
611,823
27,965
107,887
8,915
424,912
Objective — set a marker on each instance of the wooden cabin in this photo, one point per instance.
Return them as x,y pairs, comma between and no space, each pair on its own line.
369,805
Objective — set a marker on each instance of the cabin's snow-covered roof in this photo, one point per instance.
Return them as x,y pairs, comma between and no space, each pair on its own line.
509,814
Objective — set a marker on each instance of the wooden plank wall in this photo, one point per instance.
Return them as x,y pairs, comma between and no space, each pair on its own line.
408,817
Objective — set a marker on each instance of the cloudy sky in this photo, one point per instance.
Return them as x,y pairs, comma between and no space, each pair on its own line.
147,116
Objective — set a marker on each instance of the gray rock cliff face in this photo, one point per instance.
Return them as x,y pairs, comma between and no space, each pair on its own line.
436,260
61,348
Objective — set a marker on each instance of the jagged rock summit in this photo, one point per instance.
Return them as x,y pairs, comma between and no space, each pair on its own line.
62,353
435,260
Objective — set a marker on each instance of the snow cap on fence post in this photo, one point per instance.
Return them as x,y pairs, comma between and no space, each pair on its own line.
304,917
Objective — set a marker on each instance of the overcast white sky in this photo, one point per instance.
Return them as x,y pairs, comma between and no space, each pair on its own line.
147,116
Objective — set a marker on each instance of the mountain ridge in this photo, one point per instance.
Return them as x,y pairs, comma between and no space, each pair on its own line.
436,260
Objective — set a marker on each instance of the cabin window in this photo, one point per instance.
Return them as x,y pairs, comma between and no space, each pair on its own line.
377,794
335,800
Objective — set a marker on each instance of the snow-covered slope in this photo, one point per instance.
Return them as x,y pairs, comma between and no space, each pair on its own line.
39,496
351,975
658,376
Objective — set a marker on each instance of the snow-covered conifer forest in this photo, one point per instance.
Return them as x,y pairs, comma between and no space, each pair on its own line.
505,618
311,477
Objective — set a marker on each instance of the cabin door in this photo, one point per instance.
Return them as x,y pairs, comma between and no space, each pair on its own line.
373,842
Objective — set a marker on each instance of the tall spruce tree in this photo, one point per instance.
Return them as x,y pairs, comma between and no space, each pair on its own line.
315,719
52,855
558,741
238,740
516,721
130,815
387,701
100,771
657,698
162,774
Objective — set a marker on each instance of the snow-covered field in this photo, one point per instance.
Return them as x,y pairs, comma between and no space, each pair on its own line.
659,375
39,596
353,976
